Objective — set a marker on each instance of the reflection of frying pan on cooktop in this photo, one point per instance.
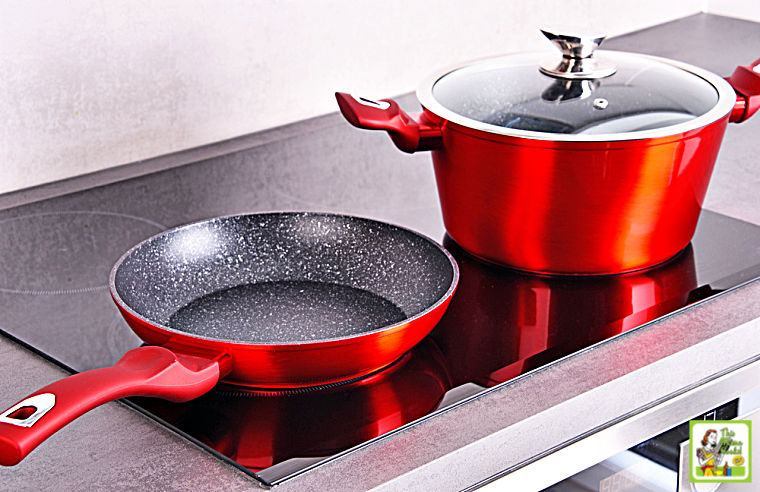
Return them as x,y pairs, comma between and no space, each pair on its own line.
261,428
515,322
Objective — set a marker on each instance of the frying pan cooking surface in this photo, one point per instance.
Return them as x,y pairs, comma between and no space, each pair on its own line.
282,278
285,310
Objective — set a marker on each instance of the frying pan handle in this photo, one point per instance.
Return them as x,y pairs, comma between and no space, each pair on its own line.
144,371
746,82
410,133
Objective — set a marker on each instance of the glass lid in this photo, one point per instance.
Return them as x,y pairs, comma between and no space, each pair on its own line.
579,95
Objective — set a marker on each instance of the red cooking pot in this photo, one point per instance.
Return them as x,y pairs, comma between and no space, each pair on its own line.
588,163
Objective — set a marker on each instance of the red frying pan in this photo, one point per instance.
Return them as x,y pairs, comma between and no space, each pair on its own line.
278,300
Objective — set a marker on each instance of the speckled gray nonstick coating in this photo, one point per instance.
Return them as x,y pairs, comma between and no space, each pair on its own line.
282,278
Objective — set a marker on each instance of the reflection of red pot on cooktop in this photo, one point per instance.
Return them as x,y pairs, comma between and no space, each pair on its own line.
261,428
516,322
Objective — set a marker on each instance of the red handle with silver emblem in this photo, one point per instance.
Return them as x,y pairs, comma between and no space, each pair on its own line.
410,133
144,371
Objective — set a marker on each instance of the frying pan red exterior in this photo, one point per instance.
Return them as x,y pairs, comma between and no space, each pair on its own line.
151,280
301,364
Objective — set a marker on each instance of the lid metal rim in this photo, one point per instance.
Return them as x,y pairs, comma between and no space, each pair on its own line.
724,105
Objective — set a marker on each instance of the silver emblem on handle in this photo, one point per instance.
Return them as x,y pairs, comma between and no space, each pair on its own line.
371,102
37,405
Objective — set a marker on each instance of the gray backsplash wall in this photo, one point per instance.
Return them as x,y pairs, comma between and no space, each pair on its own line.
90,84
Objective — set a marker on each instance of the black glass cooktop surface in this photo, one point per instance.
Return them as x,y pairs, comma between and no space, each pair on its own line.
501,324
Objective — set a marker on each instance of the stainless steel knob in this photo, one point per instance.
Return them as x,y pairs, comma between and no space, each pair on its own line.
574,43
578,60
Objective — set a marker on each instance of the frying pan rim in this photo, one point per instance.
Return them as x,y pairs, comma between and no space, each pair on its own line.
294,343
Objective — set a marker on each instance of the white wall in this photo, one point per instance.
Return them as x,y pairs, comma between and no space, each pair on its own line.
87,84
742,9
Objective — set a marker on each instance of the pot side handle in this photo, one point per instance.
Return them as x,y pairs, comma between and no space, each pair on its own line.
144,371
746,82
410,133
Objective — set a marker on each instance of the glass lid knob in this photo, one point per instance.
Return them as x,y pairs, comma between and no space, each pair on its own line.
578,60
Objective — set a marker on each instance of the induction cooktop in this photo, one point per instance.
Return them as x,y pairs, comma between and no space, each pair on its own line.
501,325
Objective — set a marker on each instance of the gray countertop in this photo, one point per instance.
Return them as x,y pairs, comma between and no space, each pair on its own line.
602,400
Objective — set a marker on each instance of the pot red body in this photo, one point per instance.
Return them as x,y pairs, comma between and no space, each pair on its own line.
557,207
297,365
